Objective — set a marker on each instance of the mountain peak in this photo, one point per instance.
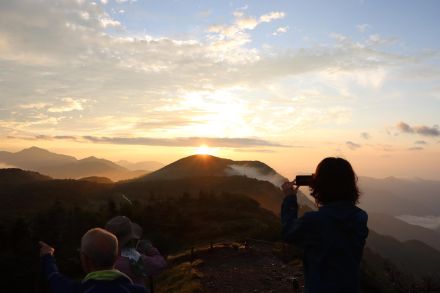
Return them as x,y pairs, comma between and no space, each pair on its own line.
208,165
91,158
34,149
34,154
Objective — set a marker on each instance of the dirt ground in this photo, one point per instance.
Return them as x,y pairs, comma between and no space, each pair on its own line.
253,269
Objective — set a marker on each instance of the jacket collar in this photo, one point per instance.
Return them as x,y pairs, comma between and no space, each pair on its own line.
105,275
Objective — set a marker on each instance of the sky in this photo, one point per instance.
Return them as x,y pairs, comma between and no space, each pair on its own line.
284,82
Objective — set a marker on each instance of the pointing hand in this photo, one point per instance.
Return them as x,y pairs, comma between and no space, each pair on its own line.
45,248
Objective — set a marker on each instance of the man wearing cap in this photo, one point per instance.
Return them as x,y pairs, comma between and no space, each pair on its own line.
99,250
138,258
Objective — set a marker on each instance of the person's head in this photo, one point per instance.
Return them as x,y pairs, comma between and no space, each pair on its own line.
99,250
124,229
335,180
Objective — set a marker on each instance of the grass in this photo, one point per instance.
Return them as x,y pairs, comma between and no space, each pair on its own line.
180,278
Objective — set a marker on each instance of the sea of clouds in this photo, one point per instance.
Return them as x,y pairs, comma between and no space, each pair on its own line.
430,222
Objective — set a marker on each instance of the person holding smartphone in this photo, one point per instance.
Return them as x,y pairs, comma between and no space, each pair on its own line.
333,237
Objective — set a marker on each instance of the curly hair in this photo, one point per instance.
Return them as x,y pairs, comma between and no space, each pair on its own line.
335,180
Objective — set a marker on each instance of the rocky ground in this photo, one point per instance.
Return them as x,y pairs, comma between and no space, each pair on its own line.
255,267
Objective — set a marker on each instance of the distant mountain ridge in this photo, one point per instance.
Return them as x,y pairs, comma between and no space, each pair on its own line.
394,196
63,166
14,176
144,165
97,179
388,225
35,156
411,256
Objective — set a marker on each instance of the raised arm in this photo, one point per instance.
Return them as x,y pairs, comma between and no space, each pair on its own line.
57,281
293,228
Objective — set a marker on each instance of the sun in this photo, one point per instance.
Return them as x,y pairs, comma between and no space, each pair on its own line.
203,150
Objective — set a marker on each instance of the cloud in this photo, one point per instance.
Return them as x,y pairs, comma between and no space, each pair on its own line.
251,172
427,131
185,141
48,137
365,135
64,105
402,126
385,147
423,130
281,30
415,149
36,106
67,105
421,142
108,22
45,137
378,40
34,122
352,146
363,27
247,23
272,16
205,13
239,144
232,37
430,222
142,85
266,151
339,37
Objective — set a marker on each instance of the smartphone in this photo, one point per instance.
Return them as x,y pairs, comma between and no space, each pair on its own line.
303,180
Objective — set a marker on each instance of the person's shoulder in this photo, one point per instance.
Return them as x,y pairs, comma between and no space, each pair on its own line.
361,215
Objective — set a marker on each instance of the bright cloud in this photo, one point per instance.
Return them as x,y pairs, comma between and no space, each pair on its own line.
67,105
34,106
228,40
430,222
272,16
281,30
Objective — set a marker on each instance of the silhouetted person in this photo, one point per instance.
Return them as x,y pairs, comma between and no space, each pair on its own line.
333,237
99,250
137,258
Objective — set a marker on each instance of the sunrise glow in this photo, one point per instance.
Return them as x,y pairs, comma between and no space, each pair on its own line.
280,82
203,150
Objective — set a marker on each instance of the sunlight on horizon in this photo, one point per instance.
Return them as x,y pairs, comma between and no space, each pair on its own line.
203,150
282,83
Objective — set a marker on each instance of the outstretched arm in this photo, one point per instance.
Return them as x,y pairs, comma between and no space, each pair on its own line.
57,281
